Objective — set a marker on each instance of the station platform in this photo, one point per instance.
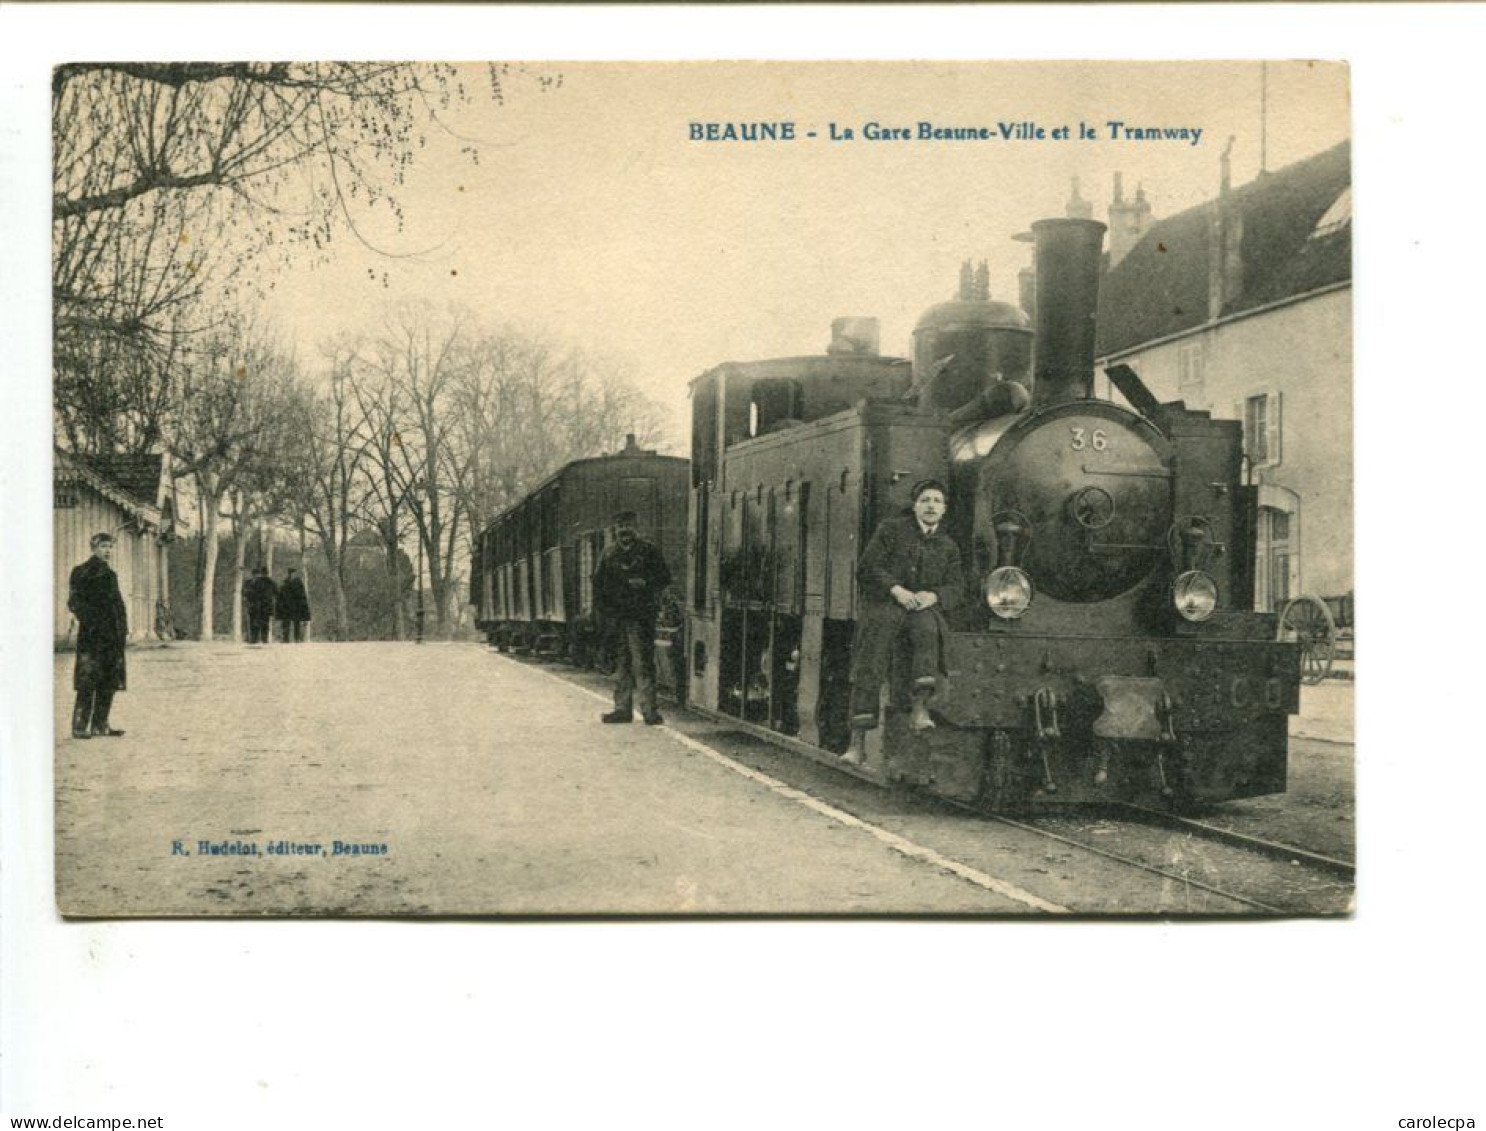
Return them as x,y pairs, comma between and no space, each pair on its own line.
1327,712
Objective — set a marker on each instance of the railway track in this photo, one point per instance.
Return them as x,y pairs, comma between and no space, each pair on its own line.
1245,872
1347,869
1306,883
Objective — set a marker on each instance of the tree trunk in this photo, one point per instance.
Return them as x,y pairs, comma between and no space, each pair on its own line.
436,585
304,572
267,541
239,564
394,576
200,570
209,573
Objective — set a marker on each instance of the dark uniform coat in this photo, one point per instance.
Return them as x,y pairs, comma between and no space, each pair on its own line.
899,553
260,593
294,602
102,627
628,583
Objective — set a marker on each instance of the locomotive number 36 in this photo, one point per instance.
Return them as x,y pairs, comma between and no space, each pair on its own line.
1098,439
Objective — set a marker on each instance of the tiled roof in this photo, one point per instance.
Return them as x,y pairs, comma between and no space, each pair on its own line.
137,474
1161,287
70,467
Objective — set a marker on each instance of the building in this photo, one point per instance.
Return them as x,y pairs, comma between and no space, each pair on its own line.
1242,306
130,497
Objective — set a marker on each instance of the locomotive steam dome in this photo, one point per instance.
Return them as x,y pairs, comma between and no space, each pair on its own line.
963,347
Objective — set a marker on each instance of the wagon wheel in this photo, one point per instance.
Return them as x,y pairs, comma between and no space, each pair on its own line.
1307,621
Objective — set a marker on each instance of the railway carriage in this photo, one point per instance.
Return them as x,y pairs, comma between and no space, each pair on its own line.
532,575
1112,653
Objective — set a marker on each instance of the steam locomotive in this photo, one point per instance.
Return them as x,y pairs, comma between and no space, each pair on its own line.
1112,654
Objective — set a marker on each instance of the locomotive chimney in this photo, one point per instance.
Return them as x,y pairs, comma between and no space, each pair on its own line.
1068,261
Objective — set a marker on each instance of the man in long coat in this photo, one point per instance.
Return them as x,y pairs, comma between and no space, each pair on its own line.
102,630
627,586
293,608
259,594
908,577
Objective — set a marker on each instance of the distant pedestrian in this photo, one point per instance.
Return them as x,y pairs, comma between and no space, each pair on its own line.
293,608
102,630
260,595
627,588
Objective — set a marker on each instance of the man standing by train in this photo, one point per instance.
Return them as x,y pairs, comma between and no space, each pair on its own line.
102,631
627,588
909,576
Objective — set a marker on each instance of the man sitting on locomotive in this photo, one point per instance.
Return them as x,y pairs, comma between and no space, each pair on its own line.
908,577
627,586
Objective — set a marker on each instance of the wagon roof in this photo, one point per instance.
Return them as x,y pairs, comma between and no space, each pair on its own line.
626,454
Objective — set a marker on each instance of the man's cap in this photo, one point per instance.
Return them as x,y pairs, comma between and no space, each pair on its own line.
626,518
102,538
292,572
928,485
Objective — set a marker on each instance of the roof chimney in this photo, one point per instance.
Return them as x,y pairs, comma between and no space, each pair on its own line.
1129,220
1224,243
1078,208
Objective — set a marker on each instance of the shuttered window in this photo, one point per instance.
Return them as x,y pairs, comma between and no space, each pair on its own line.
1260,414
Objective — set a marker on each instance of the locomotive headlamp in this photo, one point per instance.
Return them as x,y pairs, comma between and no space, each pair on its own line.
1008,592
1195,595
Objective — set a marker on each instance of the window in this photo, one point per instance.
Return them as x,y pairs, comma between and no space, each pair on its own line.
1279,579
700,547
1256,429
1260,414
1191,372
1278,548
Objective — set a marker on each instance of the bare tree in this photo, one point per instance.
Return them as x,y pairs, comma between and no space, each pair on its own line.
154,163
327,465
261,487
234,394
427,429
418,361
388,485
523,409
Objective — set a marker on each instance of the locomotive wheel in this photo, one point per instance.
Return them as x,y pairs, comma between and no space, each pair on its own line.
1307,621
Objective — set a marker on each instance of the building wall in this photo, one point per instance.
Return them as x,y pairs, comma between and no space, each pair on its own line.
138,559
1300,353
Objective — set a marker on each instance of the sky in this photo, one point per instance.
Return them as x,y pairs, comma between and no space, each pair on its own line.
592,217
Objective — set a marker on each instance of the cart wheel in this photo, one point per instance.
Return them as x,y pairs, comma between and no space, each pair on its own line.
1307,621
